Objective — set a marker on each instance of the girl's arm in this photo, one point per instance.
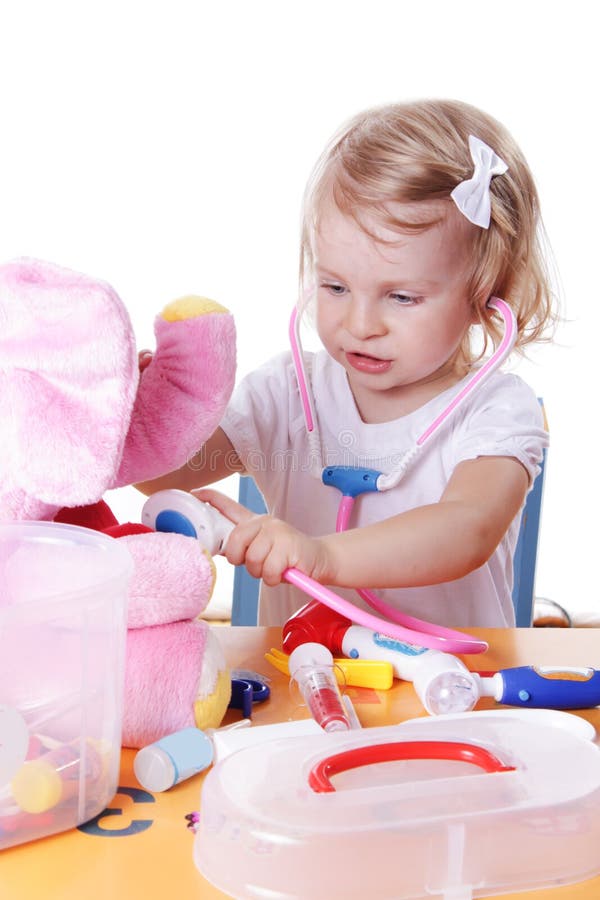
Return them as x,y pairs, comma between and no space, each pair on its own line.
216,459
439,542
426,545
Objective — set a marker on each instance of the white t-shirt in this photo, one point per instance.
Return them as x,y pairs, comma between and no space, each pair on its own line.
265,424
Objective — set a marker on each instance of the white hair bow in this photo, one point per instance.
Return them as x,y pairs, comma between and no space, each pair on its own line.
473,196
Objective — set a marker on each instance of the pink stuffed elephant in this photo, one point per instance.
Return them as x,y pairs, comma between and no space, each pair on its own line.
78,419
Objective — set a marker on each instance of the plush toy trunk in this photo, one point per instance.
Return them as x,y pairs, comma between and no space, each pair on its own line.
63,598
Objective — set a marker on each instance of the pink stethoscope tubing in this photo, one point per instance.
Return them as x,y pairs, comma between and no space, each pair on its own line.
414,631
403,627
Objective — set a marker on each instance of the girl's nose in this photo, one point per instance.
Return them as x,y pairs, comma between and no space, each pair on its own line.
363,318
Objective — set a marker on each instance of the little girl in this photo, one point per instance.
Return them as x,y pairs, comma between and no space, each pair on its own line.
416,216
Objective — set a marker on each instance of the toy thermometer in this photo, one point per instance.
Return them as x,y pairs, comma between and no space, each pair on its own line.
544,687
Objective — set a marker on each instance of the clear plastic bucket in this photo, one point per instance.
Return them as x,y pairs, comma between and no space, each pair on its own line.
63,622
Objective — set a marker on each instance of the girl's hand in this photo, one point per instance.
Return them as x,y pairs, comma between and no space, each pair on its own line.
266,545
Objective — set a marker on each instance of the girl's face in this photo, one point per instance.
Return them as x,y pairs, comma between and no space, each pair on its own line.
393,312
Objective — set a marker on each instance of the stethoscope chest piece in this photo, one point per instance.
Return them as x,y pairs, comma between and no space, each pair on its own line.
351,481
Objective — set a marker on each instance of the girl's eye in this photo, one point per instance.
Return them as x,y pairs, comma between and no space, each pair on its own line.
336,289
405,299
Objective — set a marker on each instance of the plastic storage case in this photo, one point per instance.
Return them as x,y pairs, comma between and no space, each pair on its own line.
63,604
313,818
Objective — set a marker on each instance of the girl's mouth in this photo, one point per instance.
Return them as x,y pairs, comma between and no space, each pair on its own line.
369,364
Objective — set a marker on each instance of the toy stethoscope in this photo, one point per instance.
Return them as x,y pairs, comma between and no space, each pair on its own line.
353,481
172,510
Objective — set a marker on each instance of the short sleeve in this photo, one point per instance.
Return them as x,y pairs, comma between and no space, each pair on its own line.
256,419
506,419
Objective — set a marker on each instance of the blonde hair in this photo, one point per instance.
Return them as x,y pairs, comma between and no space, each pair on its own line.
413,152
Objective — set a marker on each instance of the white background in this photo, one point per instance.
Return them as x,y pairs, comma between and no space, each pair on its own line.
164,148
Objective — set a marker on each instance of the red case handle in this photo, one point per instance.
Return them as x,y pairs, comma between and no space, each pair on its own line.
320,774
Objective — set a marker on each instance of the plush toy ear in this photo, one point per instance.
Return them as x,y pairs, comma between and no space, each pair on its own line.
67,382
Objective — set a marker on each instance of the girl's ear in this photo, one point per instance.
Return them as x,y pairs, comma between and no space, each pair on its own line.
67,382
479,312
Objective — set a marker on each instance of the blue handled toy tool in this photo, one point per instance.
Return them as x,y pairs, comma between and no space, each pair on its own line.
543,687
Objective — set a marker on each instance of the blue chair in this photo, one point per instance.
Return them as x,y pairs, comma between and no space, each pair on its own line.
244,607
526,552
246,588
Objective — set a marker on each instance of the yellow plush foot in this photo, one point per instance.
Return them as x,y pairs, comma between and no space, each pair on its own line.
190,307
214,686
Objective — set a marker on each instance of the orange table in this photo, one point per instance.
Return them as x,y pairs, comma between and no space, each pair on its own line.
140,848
